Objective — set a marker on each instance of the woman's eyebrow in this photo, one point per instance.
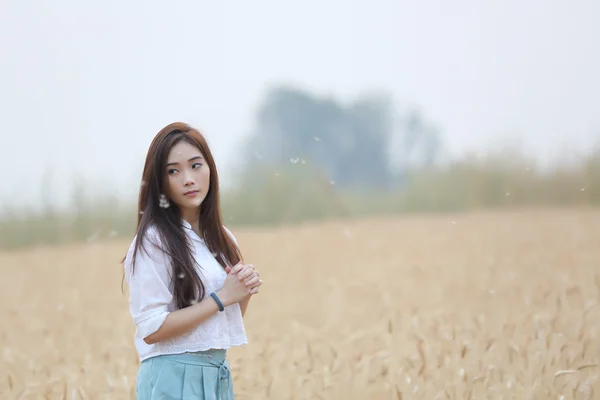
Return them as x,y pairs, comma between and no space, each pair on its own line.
191,159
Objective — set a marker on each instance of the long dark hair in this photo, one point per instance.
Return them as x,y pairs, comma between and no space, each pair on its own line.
167,221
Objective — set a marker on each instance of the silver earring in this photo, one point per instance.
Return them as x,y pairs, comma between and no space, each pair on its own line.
163,202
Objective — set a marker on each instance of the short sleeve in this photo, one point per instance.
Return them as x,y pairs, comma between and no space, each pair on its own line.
149,287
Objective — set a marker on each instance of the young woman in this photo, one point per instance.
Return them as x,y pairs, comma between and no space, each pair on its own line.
188,286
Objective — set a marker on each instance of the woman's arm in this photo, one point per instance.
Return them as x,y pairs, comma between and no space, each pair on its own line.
244,305
181,321
150,296
250,277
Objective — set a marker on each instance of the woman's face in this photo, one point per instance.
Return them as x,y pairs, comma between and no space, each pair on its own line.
188,176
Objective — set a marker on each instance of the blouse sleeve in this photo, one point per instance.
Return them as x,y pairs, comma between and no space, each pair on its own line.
149,288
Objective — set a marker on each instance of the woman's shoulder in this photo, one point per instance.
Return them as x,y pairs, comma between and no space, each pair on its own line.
150,236
150,245
231,235
147,257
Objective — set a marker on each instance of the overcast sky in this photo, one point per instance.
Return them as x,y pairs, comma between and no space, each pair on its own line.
84,86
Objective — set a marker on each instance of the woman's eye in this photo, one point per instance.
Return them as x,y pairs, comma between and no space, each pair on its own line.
171,171
196,165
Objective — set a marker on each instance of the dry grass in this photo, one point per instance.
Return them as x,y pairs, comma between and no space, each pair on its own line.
454,307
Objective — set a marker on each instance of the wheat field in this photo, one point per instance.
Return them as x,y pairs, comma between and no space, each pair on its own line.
482,305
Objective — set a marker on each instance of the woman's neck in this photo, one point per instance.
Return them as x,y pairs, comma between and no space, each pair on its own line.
193,218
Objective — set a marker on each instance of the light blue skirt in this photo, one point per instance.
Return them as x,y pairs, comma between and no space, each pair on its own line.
188,376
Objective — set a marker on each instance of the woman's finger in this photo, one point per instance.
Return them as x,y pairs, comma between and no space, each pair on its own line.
237,268
256,285
250,282
245,273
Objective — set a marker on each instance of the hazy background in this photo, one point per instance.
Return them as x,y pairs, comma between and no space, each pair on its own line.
482,116
86,85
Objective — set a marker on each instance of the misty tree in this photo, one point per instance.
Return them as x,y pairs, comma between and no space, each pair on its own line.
351,144
419,143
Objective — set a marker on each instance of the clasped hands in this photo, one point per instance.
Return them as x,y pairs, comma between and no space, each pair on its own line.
248,275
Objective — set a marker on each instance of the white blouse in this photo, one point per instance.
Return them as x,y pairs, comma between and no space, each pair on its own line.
151,299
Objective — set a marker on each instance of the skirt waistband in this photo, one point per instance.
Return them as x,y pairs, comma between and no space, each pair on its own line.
212,357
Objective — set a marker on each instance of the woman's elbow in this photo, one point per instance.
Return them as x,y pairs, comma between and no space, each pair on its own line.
150,339
151,329
154,337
